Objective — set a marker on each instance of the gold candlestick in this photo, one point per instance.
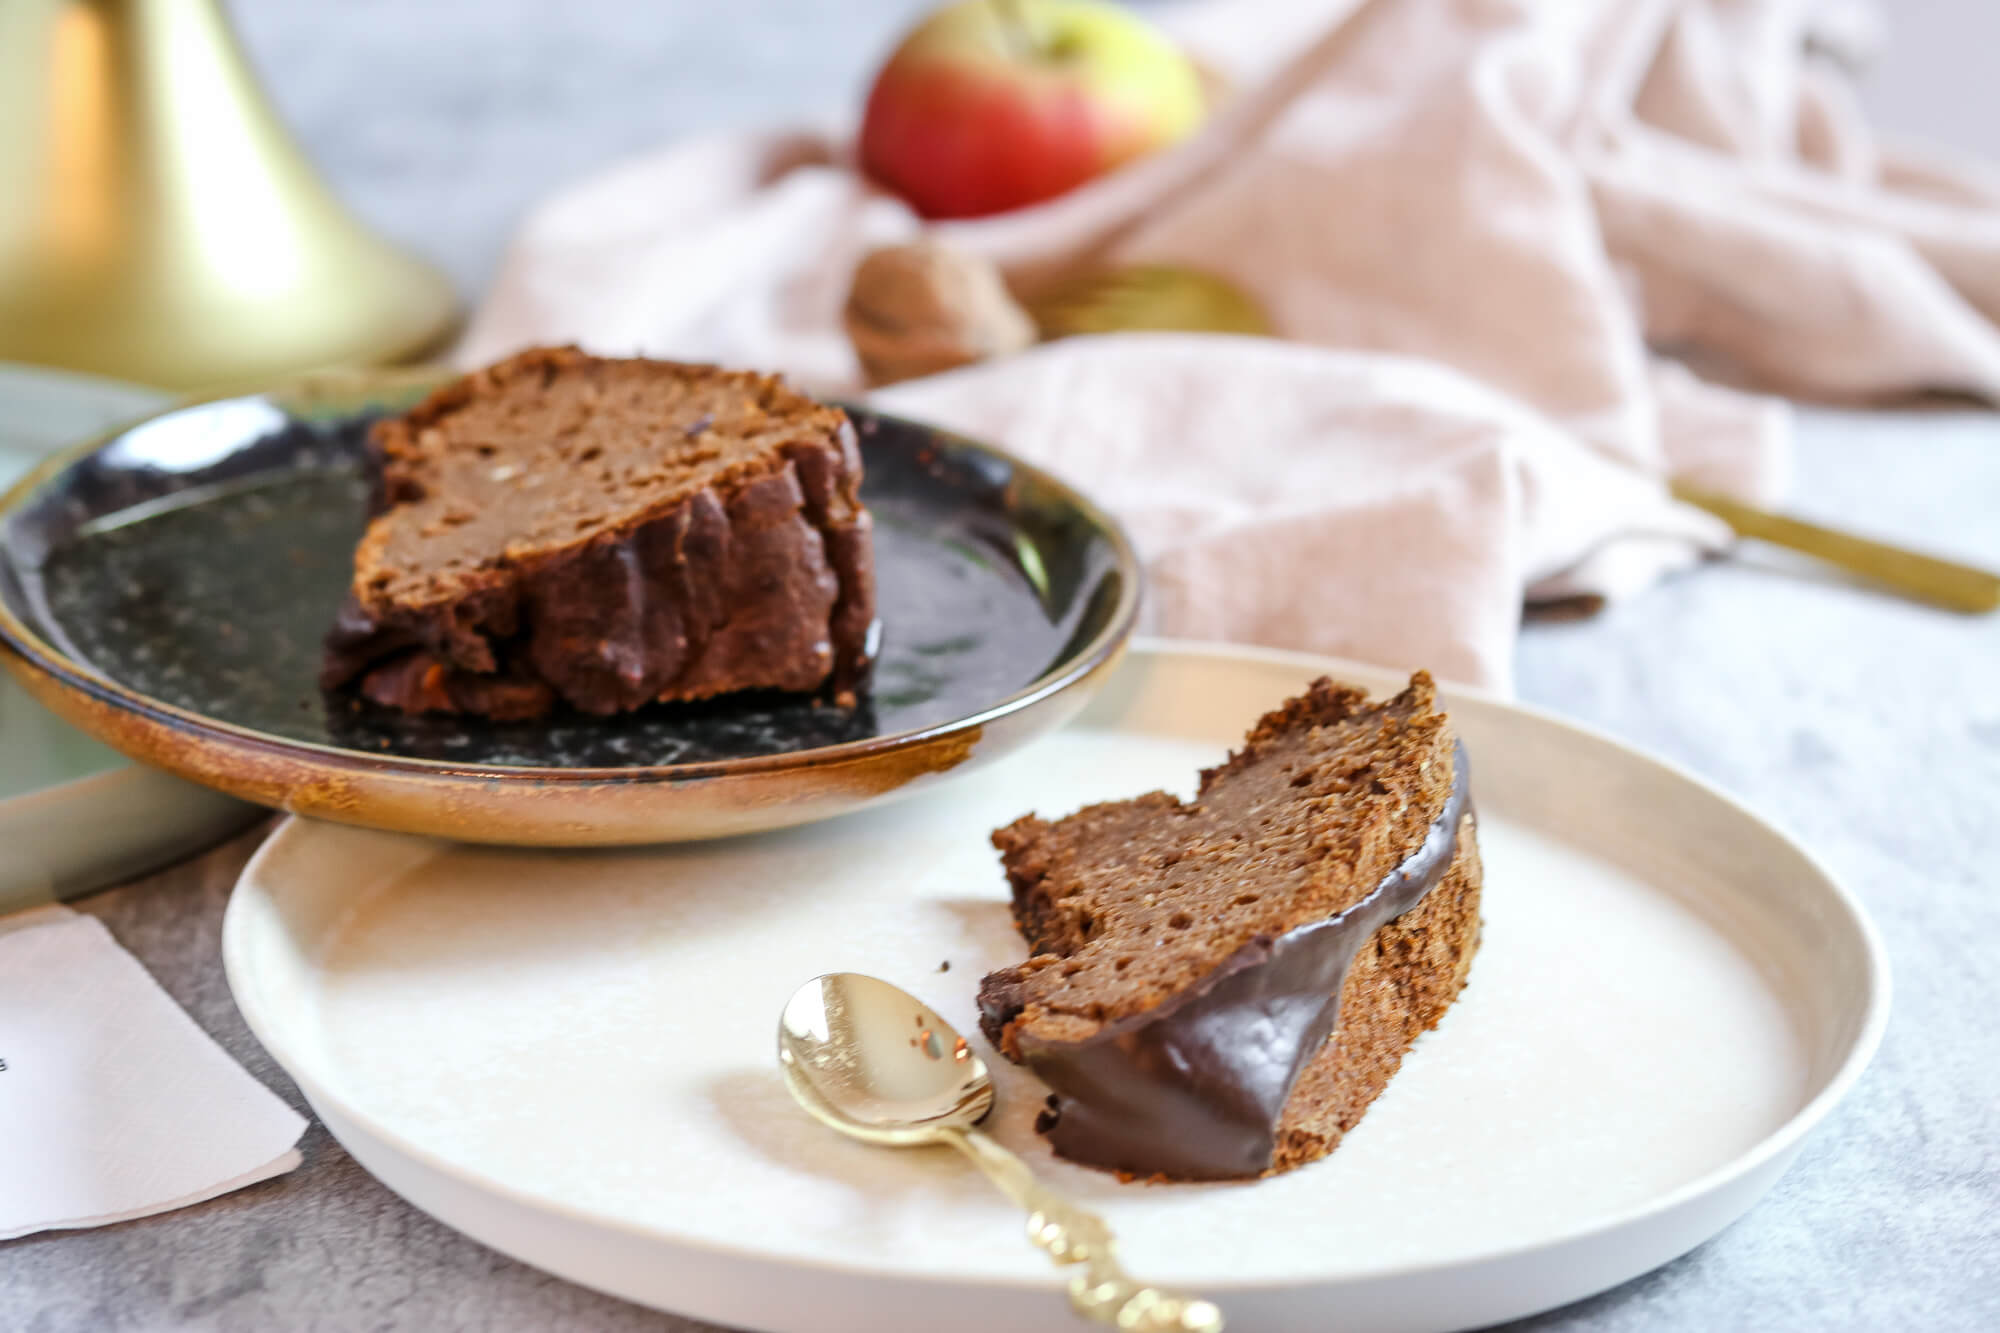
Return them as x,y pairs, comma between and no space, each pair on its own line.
158,224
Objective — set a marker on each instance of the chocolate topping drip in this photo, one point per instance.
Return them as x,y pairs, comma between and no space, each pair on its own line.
1195,1087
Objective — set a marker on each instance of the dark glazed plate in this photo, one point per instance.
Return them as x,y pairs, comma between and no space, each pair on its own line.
165,589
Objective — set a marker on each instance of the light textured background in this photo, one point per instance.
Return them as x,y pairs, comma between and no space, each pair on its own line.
1869,727
441,120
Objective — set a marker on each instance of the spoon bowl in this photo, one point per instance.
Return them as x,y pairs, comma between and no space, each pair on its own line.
873,1061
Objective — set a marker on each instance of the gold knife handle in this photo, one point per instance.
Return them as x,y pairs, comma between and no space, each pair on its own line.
1926,577
1102,1292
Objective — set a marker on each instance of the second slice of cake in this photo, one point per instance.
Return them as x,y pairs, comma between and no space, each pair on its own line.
1220,987
608,533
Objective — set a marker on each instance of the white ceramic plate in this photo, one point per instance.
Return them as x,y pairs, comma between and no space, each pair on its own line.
75,814
568,1056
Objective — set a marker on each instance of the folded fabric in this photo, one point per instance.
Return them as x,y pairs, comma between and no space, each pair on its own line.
1538,197
113,1104
1377,508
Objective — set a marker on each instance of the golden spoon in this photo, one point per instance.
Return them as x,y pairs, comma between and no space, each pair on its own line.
919,308
875,1062
1924,577
1144,297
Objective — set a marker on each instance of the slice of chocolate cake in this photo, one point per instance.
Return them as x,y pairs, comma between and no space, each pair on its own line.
607,533
1219,988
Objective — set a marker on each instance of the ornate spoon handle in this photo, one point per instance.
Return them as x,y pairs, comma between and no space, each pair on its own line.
1102,1291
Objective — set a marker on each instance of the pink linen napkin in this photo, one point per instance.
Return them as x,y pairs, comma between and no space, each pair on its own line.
1475,222
1373,507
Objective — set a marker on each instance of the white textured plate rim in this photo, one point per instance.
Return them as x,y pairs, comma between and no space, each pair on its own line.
1780,1141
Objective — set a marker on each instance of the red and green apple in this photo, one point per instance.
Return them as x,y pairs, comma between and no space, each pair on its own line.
989,105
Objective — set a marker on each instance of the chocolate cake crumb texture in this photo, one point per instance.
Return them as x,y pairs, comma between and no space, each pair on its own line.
607,533
1146,913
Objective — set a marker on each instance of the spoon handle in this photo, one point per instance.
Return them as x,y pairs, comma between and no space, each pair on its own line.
1925,577
1103,1292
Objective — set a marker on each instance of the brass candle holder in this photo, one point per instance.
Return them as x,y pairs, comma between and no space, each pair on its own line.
157,222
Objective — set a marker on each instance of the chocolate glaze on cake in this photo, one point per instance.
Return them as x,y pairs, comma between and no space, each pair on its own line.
1210,1080
607,533
1194,1089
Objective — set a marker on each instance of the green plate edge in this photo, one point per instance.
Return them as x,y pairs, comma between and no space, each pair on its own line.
75,815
